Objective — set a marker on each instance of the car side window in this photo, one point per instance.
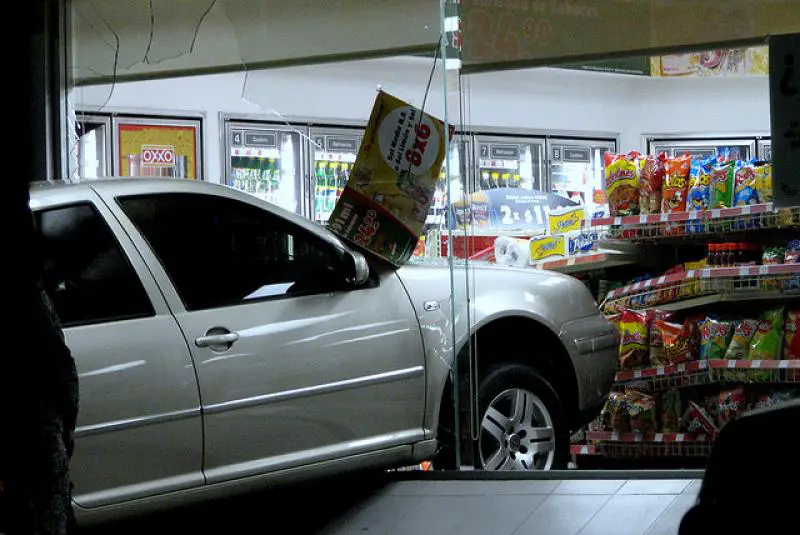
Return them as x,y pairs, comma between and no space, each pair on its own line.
87,274
222,252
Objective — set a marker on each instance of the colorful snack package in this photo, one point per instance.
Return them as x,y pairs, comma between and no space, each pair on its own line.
792,254
633,350
791,342
767,341
671,411
675,337
676,184
692,325
730,405
744,184
763,181
722,185
641,411
763,401
716,336
698,421
743,333
651,181
615,413
622,183
657,355
773,255
699,196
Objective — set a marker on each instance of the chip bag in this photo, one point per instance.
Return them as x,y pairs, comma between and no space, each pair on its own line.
698,421
615,413
730,405
676,184
791,344
716,336
622,183
633,349
722,185
671,411
651,181
764,181
768,338
744,184
641,411
676,340
657,355
743,333
699,196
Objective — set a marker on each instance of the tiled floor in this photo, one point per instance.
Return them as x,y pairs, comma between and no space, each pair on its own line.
585,507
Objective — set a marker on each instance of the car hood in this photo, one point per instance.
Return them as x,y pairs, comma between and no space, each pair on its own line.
496,291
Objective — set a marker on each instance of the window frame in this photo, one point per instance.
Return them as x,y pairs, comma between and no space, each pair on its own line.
287,226
127,262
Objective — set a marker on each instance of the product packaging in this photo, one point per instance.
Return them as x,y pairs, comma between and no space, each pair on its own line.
722,185
767,341
548,247
792,254
716,336
743,333
763,172
622,183
671,411
615,413
731,404
651,181
641,410
744,183
698,421
633,349
657,355
675,190
676,338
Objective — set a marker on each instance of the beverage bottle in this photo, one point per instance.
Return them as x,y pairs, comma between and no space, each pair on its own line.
729,255
710,254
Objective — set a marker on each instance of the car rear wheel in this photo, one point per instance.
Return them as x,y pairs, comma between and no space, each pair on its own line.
522,422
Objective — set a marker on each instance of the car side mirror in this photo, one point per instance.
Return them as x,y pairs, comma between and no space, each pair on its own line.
358,272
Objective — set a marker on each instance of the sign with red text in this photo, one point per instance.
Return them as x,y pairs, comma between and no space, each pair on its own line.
385,203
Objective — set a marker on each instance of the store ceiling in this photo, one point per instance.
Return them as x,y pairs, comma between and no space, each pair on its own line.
141,39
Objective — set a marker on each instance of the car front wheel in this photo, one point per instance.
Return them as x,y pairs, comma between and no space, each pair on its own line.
522,422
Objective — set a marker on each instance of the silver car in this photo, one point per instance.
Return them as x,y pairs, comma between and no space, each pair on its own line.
224,344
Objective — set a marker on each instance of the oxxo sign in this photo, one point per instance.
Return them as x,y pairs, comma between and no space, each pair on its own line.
158,155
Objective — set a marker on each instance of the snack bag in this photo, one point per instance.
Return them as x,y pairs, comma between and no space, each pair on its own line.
641,410
671,411
615,413
657,355
744,184
698,421
676,184
633,350
716,336
676,341
764,181
651,181
792,253
722,185
768,338
622,183
699,196
791,343
731,403
743,333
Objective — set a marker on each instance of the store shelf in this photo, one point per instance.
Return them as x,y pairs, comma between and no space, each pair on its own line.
632,450
697,224
583,449
656,438
587,262
703,372
699,287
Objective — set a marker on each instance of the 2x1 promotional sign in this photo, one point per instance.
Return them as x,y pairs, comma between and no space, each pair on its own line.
507,209
387,197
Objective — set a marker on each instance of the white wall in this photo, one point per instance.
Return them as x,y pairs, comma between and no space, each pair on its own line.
540,99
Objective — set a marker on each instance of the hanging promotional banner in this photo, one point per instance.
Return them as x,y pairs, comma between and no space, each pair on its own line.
752,61
784,85
506,34
157,150
385,203
508,209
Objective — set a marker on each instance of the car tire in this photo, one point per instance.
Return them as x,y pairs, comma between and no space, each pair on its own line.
522,423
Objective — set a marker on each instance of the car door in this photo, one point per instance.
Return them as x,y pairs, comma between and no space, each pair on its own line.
139,427
293,368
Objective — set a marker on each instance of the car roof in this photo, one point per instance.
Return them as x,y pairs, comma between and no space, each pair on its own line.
114,187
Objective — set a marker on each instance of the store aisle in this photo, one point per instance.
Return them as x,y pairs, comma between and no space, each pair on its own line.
525,507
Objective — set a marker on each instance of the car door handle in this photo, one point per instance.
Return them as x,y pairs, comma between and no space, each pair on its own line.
225,339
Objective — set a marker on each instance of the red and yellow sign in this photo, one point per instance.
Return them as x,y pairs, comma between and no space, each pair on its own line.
157,150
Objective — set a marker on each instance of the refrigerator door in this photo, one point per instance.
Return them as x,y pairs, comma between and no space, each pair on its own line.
765,149
458,166
724,149
94,145
509,162
266,160
333,152
158,147
577,171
